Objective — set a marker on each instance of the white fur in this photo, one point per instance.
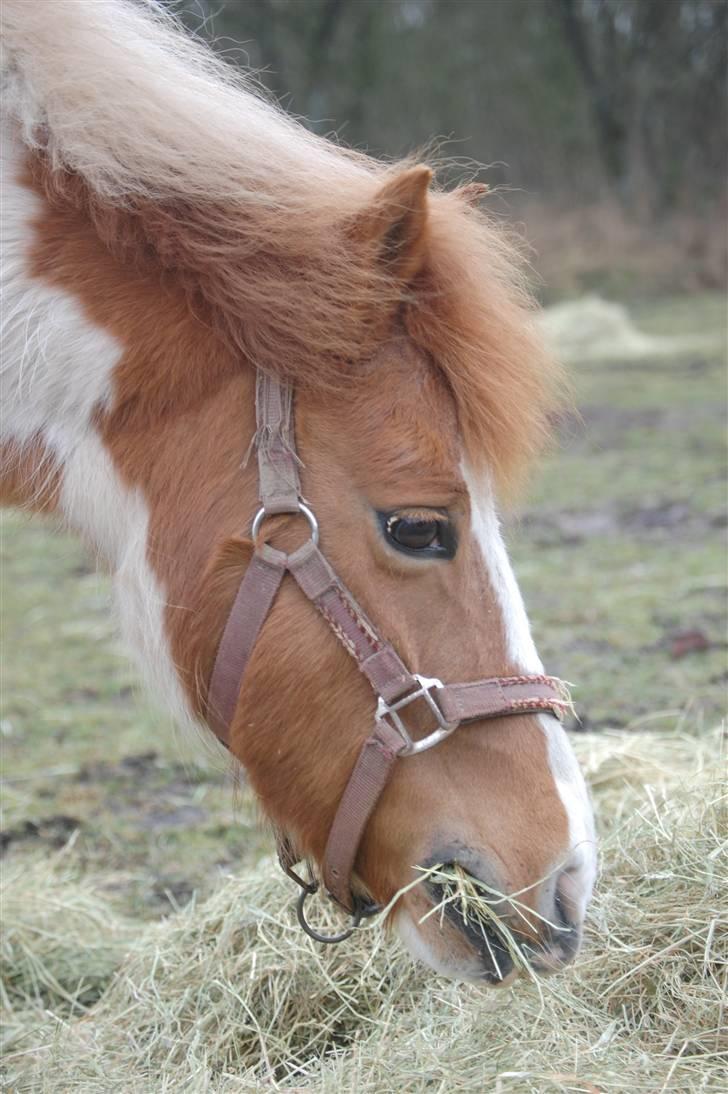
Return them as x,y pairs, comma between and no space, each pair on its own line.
111,89
57,368
415,940
115,518
522,652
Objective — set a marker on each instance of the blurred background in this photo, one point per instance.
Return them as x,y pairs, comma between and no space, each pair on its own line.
603,121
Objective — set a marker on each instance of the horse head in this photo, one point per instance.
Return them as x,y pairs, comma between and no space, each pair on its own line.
148,286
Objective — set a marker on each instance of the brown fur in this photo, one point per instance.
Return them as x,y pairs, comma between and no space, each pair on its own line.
301,290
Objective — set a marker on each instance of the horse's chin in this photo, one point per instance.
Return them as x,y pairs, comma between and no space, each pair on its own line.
440,946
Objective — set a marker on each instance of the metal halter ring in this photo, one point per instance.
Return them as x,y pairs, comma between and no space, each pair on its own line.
308,514
361,911
362,908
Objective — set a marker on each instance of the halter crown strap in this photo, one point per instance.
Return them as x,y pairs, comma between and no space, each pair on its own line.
279,484
394,686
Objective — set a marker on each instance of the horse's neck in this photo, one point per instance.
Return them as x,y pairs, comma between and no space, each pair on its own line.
116,478
64,297
57,372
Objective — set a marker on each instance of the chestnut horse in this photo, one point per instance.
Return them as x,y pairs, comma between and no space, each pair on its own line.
166,234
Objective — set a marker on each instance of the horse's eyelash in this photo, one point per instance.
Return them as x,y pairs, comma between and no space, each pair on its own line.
420,514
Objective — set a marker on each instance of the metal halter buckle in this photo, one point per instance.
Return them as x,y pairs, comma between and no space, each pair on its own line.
304,509
391,711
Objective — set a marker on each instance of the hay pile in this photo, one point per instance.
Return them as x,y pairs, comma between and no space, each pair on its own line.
230,996
594,329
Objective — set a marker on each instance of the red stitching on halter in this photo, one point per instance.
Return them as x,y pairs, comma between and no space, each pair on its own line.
372,638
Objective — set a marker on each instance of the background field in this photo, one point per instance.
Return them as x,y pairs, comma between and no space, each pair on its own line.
109,833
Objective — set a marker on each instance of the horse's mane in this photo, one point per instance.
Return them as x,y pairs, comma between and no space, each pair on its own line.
165,144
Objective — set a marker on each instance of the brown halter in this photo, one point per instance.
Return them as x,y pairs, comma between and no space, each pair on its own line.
394,686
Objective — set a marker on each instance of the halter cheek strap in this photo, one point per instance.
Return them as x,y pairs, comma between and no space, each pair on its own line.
394,686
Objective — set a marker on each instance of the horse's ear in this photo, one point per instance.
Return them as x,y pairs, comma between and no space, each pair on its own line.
395,223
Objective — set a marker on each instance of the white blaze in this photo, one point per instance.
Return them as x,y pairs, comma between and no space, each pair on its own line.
522,652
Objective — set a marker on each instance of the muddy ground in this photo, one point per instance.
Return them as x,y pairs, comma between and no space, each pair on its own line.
620,551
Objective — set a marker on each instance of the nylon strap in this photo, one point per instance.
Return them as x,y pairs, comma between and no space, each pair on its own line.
504,695
377,659
367,781
279,484
249,612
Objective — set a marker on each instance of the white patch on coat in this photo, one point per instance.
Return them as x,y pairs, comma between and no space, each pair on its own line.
582,860
115,520
56,366
412,938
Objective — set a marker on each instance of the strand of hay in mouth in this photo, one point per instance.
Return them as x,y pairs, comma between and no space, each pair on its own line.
231,996
481,908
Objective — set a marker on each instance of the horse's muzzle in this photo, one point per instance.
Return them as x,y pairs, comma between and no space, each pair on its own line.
515,933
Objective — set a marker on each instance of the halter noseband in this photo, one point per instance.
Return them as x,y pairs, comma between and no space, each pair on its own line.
394,686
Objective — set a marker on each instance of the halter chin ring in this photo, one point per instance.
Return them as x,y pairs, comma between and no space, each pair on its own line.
304,509
391,711
361,911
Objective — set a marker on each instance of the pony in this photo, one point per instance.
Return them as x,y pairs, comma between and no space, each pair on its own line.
168,234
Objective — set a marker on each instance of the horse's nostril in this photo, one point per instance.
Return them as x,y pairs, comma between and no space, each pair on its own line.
567,898
562,918
561,913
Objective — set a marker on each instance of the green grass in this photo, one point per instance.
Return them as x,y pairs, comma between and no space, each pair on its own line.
82,747
622,545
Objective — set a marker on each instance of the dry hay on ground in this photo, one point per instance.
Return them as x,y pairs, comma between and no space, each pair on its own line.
594,329
230,996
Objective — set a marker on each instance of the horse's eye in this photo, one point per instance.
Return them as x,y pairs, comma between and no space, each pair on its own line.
414,534
419,534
